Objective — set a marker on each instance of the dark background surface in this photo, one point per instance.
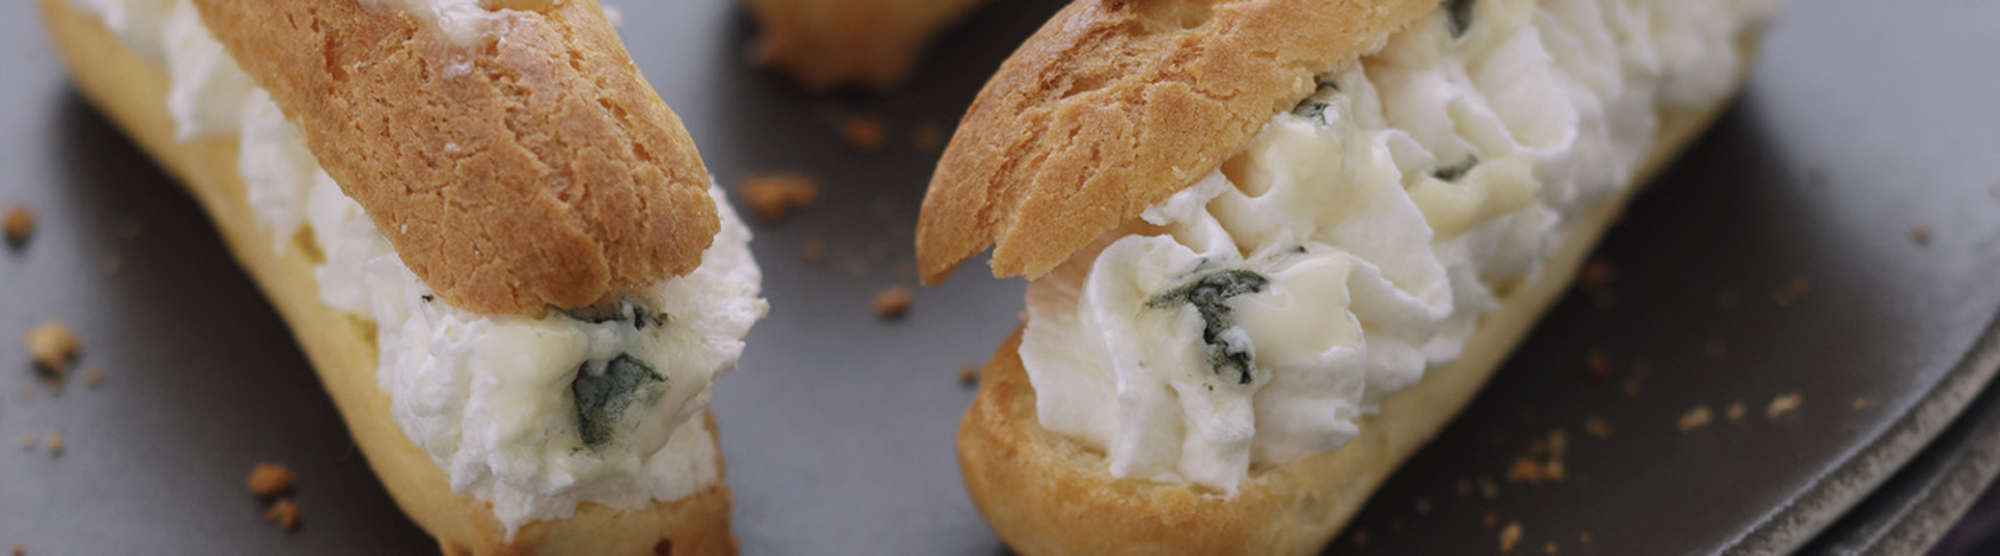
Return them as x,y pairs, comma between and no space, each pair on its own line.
1862,121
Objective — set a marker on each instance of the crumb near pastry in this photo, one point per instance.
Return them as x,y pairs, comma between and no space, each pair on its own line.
864,133
56,444
1784,404
53,345
892,302
968,374
1736,411
1549,547
1920,234
285,511
1861,403
1792,291
1695,418
1510,536
270,478
1597,363
1598,273
813,251
20,224
1596,427
1727,299
18,551
93,377
1489,520
27,441
928,137
1583,538
1360,537
774,195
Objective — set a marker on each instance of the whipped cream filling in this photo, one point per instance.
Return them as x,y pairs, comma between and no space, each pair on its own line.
1251,319
533,415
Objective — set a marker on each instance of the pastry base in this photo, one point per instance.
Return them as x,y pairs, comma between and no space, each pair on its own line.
1046,494
133,93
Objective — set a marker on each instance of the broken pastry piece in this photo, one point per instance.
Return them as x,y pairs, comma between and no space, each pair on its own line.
1275,245
496,244
828,43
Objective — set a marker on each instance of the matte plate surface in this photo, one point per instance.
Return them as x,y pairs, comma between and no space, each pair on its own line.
1864,120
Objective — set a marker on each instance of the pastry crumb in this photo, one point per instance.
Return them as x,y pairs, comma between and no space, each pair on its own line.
285,511
1549,547
270,478
53,345
864,133
1596,427
1583,538
1736,411
18,551
1861,403
1695,418
20,224
1360,537
93,377
27,441
1793,291
892,302
1510,536
1488,489
1543,463
774,195
1597,363
813,251
1920,234
928,137
56,444
968,374
1598,273
1489,520
1727,299
1783,404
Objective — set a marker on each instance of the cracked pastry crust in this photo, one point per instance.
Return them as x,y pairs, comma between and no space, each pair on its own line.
1115,105
511,175
132,93
828,43
1047,494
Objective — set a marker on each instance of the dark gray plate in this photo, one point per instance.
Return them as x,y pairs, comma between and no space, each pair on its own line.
1863,120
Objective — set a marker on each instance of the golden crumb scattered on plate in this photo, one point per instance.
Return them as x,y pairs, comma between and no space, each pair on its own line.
53,345
20,223
1861,403
1727,299
56,444
864,133
813,251
1597,363
27,441
1920,234
1783,404
1549,547
1488,489
1736,411
1510,536
1792,291
892,302
1598,273
968,373
928,137
1695,418
1489,520
1583,538
93,377
285,511
18,551
270,478
773,195
1596,427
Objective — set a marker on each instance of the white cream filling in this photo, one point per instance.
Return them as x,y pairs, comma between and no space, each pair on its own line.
1250,319
495,400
